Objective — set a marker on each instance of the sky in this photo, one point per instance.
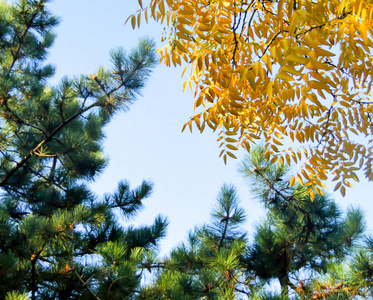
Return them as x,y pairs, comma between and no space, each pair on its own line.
146,142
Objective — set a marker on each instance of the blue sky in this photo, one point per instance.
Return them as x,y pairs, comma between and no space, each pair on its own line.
146,142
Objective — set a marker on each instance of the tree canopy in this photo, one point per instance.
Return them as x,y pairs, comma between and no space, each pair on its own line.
311,249
58,240
279,71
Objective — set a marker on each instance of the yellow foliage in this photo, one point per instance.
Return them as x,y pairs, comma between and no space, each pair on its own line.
286,70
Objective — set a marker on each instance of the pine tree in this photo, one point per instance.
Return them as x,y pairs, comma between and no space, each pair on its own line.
300,244
207,266
298,236
351,279
58,240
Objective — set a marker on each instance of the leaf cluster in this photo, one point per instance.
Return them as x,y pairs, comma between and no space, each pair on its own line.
278,71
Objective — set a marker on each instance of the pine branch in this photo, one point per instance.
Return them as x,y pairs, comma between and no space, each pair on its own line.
84,284
45,141
224,234
28,26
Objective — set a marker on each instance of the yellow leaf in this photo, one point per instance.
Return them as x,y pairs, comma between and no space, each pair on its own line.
322,52
267,60
231,154
312,196
138,20
277,142
293,57
346,183
133,22
299,178
274,159
279,135
292,181
251,79
284,76
294,157
230,140
183,36
290,69
229,146
305,175
343,191
293,23
269,89
363,29
243,74
180,46
274,148
337,186
354,177
161,8
287,156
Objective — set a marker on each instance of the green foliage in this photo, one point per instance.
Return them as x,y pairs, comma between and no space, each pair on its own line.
307,247
15,295
58,239
208,265
298,234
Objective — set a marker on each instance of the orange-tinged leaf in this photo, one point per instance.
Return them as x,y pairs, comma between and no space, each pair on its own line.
305,175
241,95
231,155
133,22
180,46
138,20
292,181
300,180
346,183
363,29
288,160
274,159
354,177
161,7
269,89
229,146
277,142
312,195
278,134
337,186
343,191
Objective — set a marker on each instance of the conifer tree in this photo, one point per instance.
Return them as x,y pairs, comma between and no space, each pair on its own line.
300,244
349,279
207,266
298,235
58,240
